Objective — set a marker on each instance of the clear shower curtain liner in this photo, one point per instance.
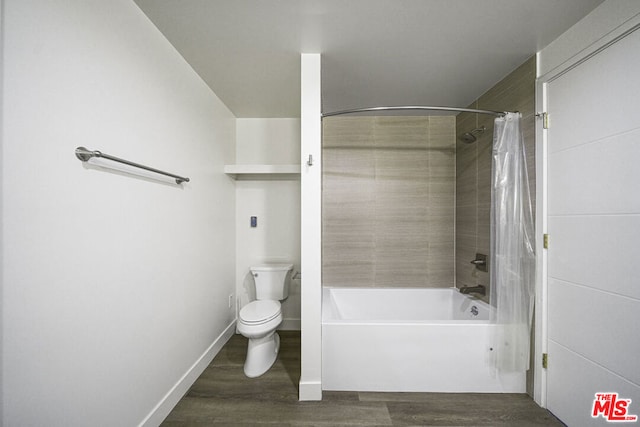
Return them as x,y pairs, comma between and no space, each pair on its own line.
512,260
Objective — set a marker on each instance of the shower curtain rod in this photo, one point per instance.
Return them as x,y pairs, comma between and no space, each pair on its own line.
415,107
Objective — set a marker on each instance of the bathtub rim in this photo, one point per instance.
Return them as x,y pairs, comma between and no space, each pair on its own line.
330,317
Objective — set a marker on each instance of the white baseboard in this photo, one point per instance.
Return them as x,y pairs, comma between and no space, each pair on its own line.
173,396
290,325
310,390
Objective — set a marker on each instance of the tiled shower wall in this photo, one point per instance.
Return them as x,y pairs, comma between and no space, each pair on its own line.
388,201
396,188
516,92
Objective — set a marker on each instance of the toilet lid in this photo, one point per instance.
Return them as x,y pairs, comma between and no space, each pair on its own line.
260,311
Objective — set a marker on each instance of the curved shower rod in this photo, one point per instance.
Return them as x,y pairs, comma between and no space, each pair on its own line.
415,107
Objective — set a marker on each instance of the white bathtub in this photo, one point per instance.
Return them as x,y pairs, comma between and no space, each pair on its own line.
408,340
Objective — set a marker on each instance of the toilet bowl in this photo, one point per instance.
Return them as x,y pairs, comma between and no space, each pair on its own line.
259,319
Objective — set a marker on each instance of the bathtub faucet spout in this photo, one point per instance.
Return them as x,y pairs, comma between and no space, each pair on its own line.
480,289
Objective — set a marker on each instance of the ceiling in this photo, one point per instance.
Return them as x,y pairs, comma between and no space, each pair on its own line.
374,52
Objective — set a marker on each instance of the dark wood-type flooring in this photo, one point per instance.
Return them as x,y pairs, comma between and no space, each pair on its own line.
223,396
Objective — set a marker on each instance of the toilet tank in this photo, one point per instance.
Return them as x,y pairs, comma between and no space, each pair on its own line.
272,281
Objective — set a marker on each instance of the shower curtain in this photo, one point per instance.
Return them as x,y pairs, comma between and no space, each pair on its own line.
512,260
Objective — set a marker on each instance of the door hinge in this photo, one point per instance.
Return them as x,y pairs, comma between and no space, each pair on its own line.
545,241
545,119
545,360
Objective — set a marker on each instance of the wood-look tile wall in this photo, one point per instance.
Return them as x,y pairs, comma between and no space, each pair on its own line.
516,92
388,201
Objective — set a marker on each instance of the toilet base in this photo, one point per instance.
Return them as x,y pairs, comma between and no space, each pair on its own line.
261,354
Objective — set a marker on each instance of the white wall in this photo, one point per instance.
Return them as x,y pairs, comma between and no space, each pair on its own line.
603,23
276,203
114,286
311,227
1,210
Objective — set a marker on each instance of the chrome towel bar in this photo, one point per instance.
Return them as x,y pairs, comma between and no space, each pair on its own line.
84,155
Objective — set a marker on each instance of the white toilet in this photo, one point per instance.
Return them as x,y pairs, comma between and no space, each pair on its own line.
259,319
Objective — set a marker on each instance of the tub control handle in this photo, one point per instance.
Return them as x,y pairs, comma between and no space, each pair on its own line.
480,262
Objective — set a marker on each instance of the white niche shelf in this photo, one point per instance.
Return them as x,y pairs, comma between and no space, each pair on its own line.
262,172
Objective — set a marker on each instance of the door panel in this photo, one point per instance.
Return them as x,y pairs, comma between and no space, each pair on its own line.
593,205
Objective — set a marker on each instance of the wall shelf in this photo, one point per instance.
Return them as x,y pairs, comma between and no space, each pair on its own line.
263,172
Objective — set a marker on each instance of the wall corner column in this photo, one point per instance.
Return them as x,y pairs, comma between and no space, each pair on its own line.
311,226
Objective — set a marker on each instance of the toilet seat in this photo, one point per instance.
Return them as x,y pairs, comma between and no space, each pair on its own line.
259,312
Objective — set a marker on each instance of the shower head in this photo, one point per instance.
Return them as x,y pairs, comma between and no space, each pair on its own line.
472,136
468,137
